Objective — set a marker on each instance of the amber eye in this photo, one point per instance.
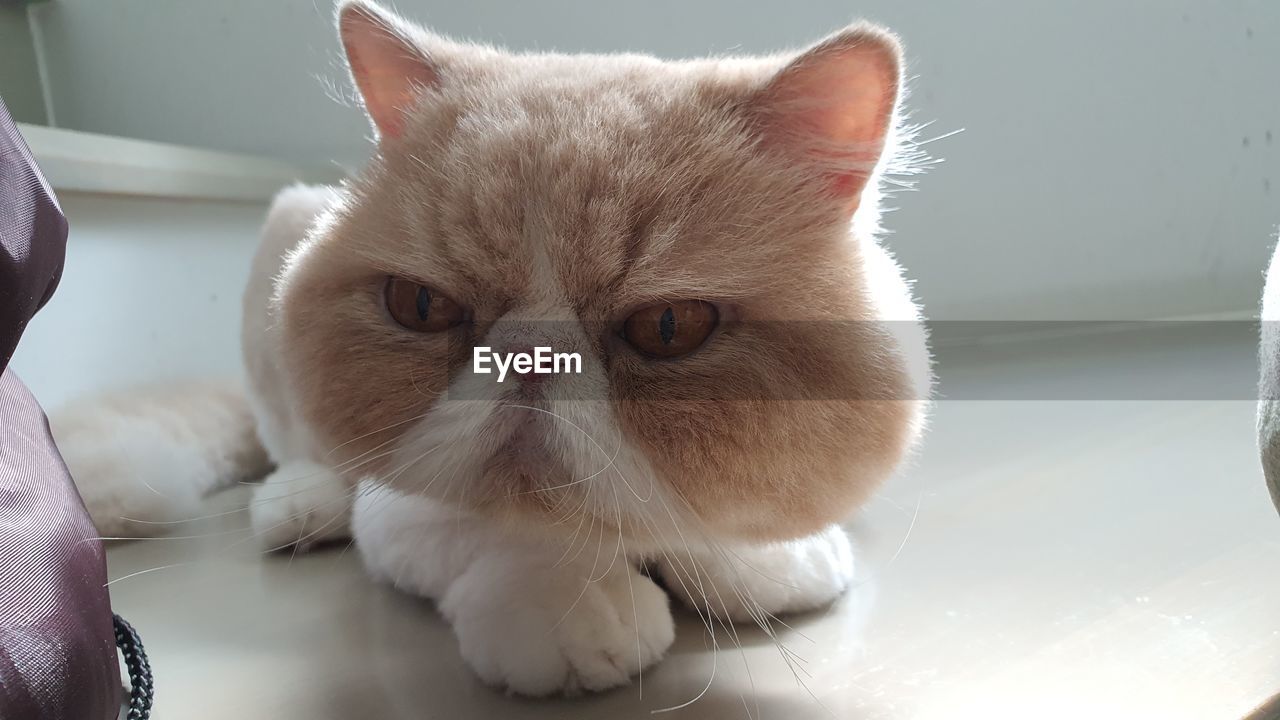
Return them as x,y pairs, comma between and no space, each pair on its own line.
421,308
668,330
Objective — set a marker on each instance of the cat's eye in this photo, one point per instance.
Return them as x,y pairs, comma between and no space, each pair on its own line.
669,330
421,308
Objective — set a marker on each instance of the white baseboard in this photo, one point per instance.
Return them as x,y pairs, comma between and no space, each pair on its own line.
83,162
966,334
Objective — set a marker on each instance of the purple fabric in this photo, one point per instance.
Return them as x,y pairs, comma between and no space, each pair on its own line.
57,648
33,237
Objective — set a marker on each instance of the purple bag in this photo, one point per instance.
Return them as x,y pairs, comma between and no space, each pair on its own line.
57,646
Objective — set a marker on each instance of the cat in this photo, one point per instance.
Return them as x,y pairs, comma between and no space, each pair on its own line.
677,224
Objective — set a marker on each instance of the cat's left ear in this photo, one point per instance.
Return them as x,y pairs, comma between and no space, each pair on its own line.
388,60
834,105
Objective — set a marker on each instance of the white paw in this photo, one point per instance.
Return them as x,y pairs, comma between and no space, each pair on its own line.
409,541
299,505
534,630
744,582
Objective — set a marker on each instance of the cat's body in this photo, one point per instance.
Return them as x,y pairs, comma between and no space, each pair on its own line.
584,203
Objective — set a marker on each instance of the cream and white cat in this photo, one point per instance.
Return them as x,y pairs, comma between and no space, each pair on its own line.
701,232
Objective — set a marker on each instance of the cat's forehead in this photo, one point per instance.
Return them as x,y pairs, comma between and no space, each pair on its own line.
626,179
581,99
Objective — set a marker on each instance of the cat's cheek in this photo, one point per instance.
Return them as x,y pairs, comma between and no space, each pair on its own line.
764,471
357,384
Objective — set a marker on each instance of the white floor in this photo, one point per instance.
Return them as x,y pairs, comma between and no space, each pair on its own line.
1111,556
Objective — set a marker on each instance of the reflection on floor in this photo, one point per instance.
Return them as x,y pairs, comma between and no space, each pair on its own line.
1043,557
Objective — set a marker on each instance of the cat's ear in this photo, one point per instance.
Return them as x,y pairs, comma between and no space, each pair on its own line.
834,104
390,66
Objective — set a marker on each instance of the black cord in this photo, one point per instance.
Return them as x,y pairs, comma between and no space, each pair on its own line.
141,692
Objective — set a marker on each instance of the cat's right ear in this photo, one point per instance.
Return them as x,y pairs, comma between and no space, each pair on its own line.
834,104
390,67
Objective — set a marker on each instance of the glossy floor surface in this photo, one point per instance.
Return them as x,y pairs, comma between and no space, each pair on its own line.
1112,555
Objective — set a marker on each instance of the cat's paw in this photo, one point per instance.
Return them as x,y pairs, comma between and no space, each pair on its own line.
300,505
536,630
743,583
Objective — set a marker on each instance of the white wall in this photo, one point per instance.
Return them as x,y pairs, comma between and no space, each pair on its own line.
150,291
1119,158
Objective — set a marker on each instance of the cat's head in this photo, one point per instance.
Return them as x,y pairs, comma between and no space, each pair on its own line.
684,227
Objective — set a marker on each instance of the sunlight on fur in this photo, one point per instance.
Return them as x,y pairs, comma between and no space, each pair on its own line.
522,200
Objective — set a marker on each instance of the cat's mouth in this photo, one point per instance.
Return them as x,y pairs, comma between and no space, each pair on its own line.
527,433
523,452
534,475
536,458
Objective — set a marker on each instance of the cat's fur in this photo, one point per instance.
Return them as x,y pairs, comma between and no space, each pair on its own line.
553,194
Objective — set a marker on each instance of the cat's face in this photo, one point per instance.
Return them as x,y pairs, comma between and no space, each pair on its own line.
684,228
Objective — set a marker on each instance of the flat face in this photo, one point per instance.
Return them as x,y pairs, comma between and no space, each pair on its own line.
1098,558
551,201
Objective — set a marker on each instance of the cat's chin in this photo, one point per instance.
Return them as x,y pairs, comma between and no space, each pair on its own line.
524,469
522,475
